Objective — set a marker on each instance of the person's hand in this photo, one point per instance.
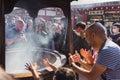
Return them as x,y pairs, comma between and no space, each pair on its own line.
31,67
21,37
87,56
76,57
46,62
71,60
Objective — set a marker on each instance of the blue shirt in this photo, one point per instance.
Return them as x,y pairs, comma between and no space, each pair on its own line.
12,33
109,56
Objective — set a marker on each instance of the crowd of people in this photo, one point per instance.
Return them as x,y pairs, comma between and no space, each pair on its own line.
97,54
40,32
103,63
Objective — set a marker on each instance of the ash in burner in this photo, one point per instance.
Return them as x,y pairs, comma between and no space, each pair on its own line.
40,56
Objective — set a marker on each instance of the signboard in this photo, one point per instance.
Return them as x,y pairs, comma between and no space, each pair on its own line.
112,12
98,12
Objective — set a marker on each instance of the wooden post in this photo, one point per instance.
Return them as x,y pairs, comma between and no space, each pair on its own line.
70,35
2,34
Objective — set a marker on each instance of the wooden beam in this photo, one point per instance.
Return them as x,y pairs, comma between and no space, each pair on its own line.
2,34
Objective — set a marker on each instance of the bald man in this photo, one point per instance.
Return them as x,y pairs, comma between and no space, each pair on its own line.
107,65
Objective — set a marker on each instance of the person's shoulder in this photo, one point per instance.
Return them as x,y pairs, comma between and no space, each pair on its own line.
119,34
111,46
73,32
110,43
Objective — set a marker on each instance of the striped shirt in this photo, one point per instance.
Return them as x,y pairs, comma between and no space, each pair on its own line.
109,56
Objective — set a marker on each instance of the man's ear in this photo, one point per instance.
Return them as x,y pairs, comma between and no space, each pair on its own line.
93,35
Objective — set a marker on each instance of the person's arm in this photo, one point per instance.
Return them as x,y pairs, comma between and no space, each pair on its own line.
93,74
86,65
13,40
48,64
32,69
9,41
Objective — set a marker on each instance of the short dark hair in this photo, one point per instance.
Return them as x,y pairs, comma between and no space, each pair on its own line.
64,73
81,25
117,24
